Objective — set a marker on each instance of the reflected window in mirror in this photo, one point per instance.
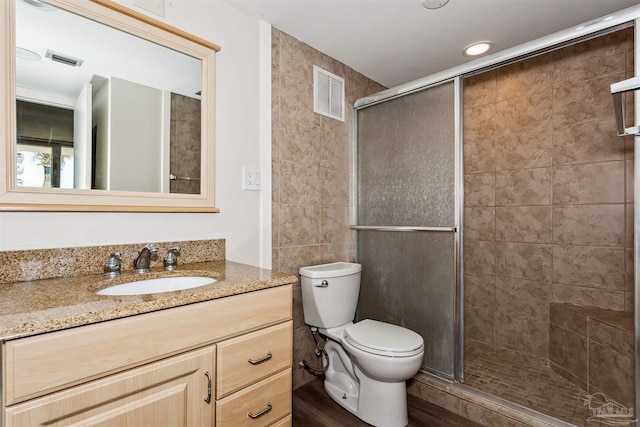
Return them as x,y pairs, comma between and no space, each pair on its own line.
44,155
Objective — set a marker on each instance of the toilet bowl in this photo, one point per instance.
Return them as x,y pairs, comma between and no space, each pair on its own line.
368,361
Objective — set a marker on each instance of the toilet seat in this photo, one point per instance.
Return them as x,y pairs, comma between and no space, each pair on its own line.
383,339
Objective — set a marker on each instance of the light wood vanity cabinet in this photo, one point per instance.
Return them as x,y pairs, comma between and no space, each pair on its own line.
225,362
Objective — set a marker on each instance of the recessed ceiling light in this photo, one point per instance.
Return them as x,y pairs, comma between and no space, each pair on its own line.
27,54
434,4
477,48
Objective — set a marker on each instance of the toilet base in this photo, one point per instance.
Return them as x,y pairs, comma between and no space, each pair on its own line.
343,394
373,405
381,404
340,382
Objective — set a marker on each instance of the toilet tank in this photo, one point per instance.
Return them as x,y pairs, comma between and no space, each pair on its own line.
330,293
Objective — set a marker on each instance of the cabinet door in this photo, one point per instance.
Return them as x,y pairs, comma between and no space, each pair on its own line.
171,392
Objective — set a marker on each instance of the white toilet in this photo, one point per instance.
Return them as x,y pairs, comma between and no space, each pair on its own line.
369,361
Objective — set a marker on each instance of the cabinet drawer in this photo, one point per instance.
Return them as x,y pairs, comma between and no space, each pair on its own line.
258,405
41,364
247,359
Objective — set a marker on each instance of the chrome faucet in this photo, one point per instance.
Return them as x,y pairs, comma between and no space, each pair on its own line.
141,263
112,265
171,259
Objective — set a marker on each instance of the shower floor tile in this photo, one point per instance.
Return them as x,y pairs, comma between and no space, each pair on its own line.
523,382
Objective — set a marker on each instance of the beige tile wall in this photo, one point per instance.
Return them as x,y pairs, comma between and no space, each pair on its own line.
311,170
548,193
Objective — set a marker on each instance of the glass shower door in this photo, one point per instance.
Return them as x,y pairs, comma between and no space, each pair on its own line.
407,219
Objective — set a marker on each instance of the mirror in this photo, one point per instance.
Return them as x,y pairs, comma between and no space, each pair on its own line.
106,110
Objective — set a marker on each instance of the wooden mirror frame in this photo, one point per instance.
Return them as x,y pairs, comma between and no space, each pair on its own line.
14,198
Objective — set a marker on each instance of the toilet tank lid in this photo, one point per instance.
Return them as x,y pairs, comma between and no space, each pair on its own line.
334,269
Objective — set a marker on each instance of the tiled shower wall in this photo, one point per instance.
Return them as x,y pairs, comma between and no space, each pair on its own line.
548,193
311,170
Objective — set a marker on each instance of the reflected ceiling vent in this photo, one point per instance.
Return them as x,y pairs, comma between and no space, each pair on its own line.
328,94
64,59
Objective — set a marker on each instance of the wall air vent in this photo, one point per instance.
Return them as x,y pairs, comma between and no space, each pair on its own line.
64,59
328,94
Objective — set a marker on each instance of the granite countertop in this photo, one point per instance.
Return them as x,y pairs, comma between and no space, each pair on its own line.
34,307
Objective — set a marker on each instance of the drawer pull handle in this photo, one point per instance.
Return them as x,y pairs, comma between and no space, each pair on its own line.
262,359
261,413
208,397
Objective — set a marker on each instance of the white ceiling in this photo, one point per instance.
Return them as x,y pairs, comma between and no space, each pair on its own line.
398,41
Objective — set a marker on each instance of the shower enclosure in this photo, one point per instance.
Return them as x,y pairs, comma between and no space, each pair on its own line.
546,320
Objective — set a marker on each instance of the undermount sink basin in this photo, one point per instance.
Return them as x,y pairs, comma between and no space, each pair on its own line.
154,286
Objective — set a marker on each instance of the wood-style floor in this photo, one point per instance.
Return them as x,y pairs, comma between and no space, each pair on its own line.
312,407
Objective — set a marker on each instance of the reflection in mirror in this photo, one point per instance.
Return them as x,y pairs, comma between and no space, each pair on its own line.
109,162
99,108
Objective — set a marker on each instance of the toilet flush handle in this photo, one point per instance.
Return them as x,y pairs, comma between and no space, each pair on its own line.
324,284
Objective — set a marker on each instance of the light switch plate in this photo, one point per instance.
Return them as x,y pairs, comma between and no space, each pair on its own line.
251,178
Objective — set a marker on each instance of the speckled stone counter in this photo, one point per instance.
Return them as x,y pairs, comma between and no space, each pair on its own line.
39,306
